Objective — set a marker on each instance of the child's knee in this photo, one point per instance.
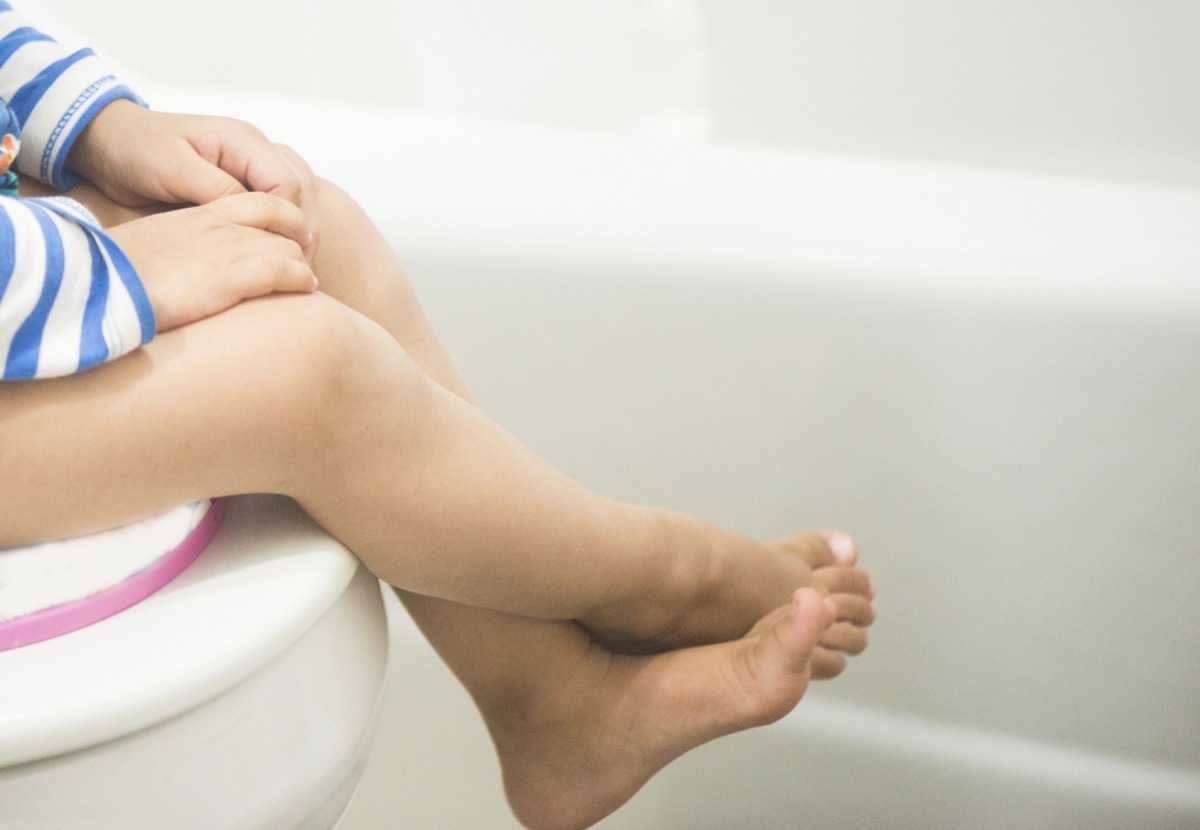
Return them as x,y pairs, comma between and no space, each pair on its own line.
336,366
332,203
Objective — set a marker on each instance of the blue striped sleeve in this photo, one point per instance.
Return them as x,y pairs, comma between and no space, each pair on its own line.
53,92
69,297
93,349
22,362
132,285
18,38
8,251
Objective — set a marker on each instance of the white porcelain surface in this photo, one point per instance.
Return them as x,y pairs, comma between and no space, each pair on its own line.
266,578
269,653
283,749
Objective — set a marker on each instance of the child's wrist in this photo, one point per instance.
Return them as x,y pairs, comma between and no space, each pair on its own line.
86,156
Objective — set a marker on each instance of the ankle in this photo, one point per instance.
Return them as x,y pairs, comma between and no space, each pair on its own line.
688,584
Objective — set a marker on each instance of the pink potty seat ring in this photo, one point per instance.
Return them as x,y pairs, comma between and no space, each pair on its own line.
53,588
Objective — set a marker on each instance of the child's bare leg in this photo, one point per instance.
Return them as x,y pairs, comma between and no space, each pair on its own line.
302,396
358,267
521,667
578,730
659,591
515,666
174,422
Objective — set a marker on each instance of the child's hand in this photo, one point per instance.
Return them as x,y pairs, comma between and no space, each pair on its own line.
139,157
200,261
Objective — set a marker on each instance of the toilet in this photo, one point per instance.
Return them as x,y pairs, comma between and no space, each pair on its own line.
242,694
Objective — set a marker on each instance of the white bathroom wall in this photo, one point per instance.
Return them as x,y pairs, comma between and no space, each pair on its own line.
1100,88
603,64
627,64
1105,88
296,48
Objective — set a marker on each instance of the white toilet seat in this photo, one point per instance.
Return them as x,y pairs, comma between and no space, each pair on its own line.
264,580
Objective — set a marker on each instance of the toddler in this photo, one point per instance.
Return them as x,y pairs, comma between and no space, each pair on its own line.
186,312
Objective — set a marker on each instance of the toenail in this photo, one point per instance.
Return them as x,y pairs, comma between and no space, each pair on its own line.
842,546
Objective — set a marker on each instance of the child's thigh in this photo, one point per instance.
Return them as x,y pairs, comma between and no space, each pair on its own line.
215,408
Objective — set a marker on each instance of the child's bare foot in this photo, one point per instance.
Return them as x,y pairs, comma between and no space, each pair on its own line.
743,580
836,577
579,743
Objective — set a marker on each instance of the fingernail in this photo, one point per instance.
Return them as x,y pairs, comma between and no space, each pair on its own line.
842,547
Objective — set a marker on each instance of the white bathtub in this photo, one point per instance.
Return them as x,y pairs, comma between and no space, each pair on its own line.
992,379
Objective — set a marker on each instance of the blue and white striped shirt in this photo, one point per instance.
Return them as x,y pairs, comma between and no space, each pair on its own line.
69,298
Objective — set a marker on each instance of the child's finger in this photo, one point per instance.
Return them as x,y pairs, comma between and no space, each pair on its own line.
293,180
200,182
269,170
305,182
258,276
265,212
